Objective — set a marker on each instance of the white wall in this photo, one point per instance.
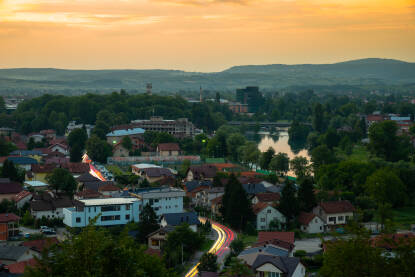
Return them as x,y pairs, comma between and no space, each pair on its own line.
268,217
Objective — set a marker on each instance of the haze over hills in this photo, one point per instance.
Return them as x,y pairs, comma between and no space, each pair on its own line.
351,74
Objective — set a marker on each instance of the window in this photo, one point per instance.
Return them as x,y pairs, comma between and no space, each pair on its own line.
110,217
154,242
273,274
127,217
78,220
341,218
110,208
332,219
156,200
95,209
128,207
321,227
89,209
263,219
316,221
269,211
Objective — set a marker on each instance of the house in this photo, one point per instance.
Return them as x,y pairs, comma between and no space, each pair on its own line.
176,219
87,194
22,198
120,151
163,200
250,254
189,186
203,196
59,147
270,236
201,172
265,214
18,269
334,213
23,162
85,178
111,211
109,190
9,225
9,189
10,254
76,169
40,171
271,198
154,174
310,223
49,205
116,136
48,134
266,265
36,137
35,154
216,205
158,237
168,149
36,185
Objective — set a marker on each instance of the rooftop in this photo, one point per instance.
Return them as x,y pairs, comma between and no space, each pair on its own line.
333,207
8,217
126,132
168,147
175,219
36,183
284,236
108,201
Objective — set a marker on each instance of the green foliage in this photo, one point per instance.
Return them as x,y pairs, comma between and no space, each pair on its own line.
318,118
280,163
233,142
237,246
249,154
300,167
289,203
76,140
237,268
266,158
28,220
6,147
298,131
148,223
8,206
322,155
97,149
127,143
13,172
236,207
62,179
208,262
95,253
306,197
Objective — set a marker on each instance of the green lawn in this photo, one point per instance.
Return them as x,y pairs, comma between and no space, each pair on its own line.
248,240
404,216
116,170
359,154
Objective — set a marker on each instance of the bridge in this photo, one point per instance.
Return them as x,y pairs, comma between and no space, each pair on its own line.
266,124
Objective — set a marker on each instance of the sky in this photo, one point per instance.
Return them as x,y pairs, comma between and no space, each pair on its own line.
201,35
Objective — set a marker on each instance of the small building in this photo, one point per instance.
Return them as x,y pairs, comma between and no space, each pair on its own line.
334,213
310,223
49,206
111,211
168,149
23,162
116,136
271,198
176,219
265,214
201,172
76,169
9,225
266,265
119,150
22,198
109,190
163,200
40,171
154,174
36,185
158,237
216,205
9,189
59,147
10,254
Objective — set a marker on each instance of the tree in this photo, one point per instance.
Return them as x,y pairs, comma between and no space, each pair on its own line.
217,98
233,142
322,155
306,197
236,207
237,246
385,142
280,163
238,268
208,262
62,179
13,172
300,166
148,223
266,158
127,143
76,140
94,252
318,118
97,149
289,203
385,187
6,147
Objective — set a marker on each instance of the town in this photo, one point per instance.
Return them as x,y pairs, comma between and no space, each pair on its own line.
253,185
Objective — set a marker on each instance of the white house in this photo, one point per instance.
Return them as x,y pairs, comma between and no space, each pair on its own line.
111,211
48,206
61,148
163,200
265,213
22,198
276,266
334,213
311,223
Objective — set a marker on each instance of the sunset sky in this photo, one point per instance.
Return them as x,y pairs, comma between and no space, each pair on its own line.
201,35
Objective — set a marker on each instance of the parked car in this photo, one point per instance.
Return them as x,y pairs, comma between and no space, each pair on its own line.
27,235
47,231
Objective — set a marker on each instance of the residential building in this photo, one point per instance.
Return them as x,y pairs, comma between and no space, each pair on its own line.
176,219
204,196
179,128
23,162
9,189
22,198
250,254
168,149
271,198
334,213
216,205
201,172
59,147
72,126
116,136
118,150
270,236
40,171
9,225
48,134
109,190
10,254
77,169
158,237
310,223
276,266
237,107
154,174
36,185
265,214
49,205
163,200
111,211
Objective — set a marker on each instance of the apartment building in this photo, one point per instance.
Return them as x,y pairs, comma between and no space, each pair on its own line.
163,200
180,128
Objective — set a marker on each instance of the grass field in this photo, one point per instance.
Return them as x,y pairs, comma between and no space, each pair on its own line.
359,154
115,170
404,216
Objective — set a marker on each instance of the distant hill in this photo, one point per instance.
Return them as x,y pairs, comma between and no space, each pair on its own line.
356,73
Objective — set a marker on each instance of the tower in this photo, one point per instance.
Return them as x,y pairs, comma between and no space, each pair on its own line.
149,86
200,95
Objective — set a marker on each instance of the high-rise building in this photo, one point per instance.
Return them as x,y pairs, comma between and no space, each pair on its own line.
250,96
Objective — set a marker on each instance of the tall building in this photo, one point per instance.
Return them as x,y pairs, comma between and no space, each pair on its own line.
250,96
180,128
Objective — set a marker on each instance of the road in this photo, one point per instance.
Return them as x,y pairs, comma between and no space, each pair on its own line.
92,169
220,247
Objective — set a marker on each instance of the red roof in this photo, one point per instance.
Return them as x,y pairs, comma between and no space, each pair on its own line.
88,193
168,147
250,174
39,245
43,168
391,241
21,195
268,197
8,217
334,207
10,187
18,268
305,218
108,187
258,207
374,117
61,145
283,236
77,167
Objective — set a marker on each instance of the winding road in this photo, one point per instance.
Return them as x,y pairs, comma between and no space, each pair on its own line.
221,245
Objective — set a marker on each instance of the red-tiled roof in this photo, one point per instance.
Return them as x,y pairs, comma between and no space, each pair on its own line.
334,207
391,241
374,117
305,218
43,168
88,193
21,195
39,245
284,236
268,197
64,146
19,268
108,187
77,167
168,147
277,242
222,166
8,217
251,174
258,207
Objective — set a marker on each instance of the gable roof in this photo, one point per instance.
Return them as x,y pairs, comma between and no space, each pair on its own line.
12,252
86,177
156,172
258,207
61,145
254,188
283,236
175,219
333,207
43,168
76,167
8,217
166,229
10,187
108,187
203,171
286,264
19,267
22,160
88,193
21,195
268,197
191,185
168,147
305,218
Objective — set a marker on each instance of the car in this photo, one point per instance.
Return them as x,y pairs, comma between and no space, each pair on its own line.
26,235
47,231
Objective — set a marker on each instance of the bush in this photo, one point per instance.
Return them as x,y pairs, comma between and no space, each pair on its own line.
300,253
